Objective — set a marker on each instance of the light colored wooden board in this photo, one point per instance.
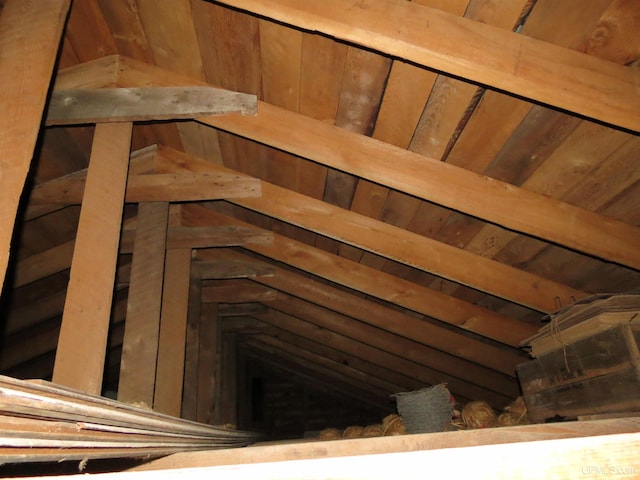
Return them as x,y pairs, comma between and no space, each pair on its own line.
83,335
29,39
142,327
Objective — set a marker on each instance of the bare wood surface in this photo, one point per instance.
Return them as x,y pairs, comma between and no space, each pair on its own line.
142,327
505,60
80,106
207,359
29,37
81,347
172,337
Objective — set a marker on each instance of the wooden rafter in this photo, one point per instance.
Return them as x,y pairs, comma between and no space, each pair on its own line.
481,53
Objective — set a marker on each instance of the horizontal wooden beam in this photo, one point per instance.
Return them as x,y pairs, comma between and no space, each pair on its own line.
84,105
376,283
225,268
152,187
484,54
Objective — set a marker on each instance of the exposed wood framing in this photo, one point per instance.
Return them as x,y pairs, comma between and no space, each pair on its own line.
85,322
481,53
173,327
84,105
207,360
142,328
30,33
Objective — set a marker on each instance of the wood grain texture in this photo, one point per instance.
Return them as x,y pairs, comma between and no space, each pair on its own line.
142,327
82,344
173,326
507,61
29,39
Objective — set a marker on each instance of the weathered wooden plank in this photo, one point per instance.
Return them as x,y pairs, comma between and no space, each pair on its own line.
191,357
30,33
481,53
173,326
232,268
83,335
43,264
142,328
379,284
78,106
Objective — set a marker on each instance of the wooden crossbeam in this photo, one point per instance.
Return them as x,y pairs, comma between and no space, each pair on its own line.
83,336
225,268
152,187
30,33
237,291
79,106
476,51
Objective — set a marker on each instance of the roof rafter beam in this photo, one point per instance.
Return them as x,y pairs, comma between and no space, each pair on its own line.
484,54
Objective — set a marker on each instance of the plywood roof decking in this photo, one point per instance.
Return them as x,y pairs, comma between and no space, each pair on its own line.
422,202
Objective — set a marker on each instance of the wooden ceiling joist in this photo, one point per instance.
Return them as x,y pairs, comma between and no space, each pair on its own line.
84,105
481,53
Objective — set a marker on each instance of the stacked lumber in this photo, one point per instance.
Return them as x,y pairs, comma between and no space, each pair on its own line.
40,421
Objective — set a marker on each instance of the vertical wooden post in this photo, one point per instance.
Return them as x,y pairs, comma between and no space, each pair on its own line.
30,33
190,388
207,362
228,399
85,322
142,326
173,327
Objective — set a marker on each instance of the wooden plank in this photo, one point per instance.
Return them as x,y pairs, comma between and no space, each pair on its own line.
152,187
379,284
173,326
226,410
43,264
190,384
207,359
142,327
29,38
78,106
431,180
237,291
522,65
232,268
395,243
83,335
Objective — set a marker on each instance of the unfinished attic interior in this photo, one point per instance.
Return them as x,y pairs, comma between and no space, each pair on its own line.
271,217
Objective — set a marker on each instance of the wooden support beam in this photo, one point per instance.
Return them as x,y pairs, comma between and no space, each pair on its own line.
377,283
226,410
237,291
78,106
83,336
226,268
192,346
241,310
43,264
142,328
395,243
152,187
173,327
207,360
30,33
476,51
